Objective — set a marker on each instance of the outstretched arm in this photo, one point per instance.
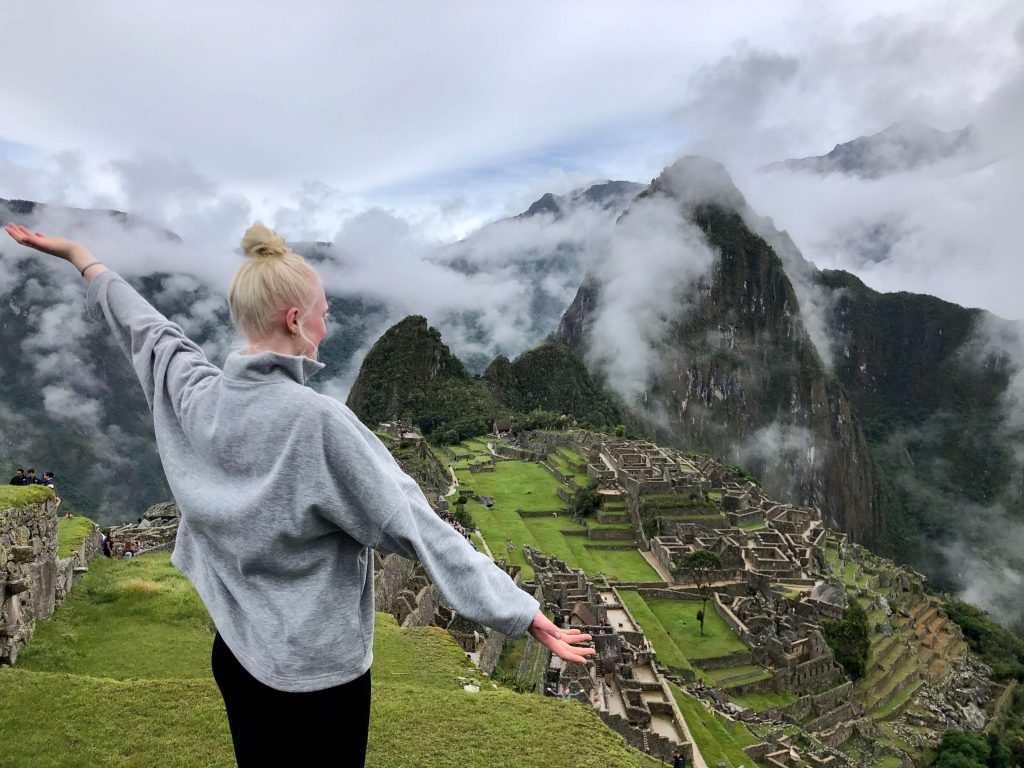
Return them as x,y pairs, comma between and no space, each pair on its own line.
167,363
74,253
384,508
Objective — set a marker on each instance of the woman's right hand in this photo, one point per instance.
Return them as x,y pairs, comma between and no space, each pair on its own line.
560,642
60,247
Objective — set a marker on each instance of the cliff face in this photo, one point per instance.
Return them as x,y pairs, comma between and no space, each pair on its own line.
736,373
930,392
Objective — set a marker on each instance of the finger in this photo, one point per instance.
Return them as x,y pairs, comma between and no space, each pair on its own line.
571,635
564,650
577,655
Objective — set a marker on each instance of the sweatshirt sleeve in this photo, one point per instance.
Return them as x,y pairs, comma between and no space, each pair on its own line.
167,363
390,510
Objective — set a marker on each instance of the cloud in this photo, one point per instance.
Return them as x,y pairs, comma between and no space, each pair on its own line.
646,277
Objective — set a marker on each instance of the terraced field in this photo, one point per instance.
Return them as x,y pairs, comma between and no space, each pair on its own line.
720,740
673,629
604,546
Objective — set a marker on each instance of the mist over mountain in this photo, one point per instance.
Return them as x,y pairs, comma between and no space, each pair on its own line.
903,146
70,403
674,307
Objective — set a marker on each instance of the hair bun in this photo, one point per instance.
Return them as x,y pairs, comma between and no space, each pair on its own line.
261,241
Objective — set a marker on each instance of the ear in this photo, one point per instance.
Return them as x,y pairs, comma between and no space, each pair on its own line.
291,321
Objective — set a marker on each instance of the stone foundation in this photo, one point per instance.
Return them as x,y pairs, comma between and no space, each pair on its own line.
33,580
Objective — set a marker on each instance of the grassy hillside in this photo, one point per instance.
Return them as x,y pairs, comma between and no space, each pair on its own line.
120,676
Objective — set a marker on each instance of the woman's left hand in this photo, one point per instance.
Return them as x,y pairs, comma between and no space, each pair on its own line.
559,641
60,247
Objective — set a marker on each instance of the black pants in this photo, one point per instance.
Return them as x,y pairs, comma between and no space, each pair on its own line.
272,727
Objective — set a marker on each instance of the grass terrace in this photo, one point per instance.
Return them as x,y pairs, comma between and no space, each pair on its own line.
679,619
563,465
720,740
18,497
120,676
524,485
759,702
70,534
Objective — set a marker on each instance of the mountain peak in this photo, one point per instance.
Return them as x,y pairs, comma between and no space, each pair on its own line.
695,180
902,146
608,194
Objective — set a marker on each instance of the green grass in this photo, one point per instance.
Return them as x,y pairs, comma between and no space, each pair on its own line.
511,657
572,455
562,466
897,701
117,623
527,486
147,698
759,702
70,534
679,619
719,739
18,497
516,485
742,675
665,646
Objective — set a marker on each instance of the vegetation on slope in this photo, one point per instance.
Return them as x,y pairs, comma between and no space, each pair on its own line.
550,377
997,646
849,639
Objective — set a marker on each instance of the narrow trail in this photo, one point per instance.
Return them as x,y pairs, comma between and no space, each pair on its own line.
657,566
455,481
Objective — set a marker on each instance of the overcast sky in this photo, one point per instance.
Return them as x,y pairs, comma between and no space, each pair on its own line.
449,114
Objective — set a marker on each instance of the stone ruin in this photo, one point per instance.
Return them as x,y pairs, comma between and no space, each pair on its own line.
33,579
625,686
155,531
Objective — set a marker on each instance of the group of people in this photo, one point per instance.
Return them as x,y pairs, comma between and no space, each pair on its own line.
107,545
31,478
20,478
449,518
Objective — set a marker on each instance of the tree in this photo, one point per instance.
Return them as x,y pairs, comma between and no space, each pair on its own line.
586,502
701,566
849,639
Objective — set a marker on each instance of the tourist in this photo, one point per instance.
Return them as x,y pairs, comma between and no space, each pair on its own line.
48,482
678,761
19,477
31,478
107,544
284,494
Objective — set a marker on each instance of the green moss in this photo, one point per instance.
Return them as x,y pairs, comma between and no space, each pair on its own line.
70,534
19,497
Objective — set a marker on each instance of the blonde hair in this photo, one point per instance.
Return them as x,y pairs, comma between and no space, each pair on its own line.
272,279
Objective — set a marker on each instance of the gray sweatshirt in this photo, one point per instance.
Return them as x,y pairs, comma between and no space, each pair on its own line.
283,493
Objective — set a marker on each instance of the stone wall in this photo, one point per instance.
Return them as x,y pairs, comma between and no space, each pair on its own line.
731,619
33,580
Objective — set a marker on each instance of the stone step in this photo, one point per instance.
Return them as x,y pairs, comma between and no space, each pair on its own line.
904,696
893,678
920,609
883,664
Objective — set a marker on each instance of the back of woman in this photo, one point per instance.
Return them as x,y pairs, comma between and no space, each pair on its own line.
283,493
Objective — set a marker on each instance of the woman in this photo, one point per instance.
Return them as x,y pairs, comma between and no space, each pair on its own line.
283,495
